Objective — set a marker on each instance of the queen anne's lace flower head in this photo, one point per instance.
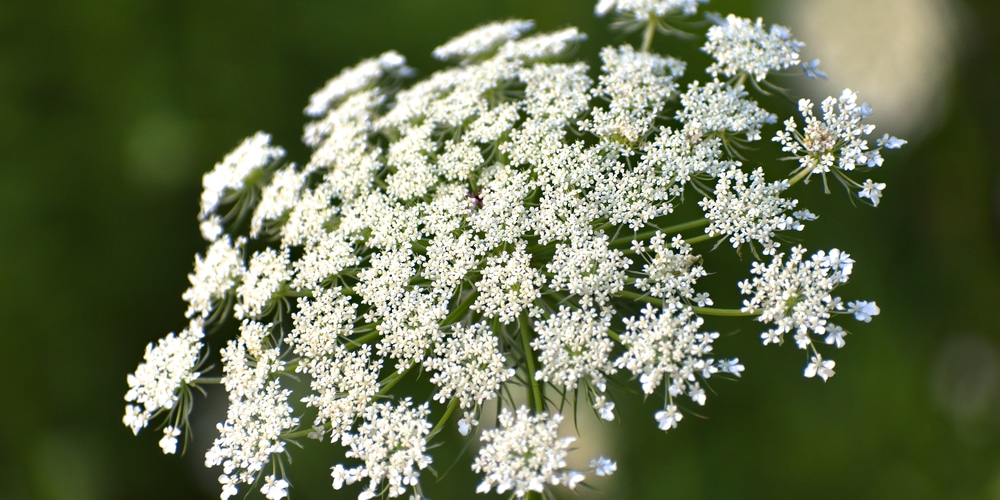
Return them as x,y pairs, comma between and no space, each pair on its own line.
511,225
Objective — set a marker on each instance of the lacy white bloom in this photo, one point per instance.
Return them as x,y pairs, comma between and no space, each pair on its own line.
343,385
525,453
796,296
352,80
719,108
509,285
573,345
277,198
588,267
751,213
670,271
666,344
214,276
838,141
167,366
266,273
482,40
742,46
510,225
258,414
636,84
229,175
644,9
468,366
392,443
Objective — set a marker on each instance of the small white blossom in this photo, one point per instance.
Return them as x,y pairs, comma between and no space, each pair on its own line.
819,366
274,489
230,174
872,191
573,346
525,453
748,209
668,418
603,466
214,276
168,443
742,46
392,442
482,40
863,310
605,409
644,9
167,366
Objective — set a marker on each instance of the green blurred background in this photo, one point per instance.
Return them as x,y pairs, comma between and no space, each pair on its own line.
111,110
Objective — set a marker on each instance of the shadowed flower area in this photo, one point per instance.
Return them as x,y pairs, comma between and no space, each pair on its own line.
596,236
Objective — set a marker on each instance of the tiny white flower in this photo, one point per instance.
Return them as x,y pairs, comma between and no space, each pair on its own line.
863,310
668,417
169,440
274,489
603,466
835,335
819,366
872,191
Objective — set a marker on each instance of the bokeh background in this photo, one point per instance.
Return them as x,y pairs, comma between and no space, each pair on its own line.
111,110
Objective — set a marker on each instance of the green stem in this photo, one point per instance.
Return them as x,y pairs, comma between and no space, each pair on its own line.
628,294
536,392
208,380
444,419
460,309
393,380
799,176
704,311
647,35
731,313
614,336
677,228
698,239
364,339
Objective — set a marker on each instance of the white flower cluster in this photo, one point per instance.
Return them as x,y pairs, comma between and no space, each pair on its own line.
643,10
743,47
392,443
167,367
796,297
838,143
512,223
751,213
525,453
